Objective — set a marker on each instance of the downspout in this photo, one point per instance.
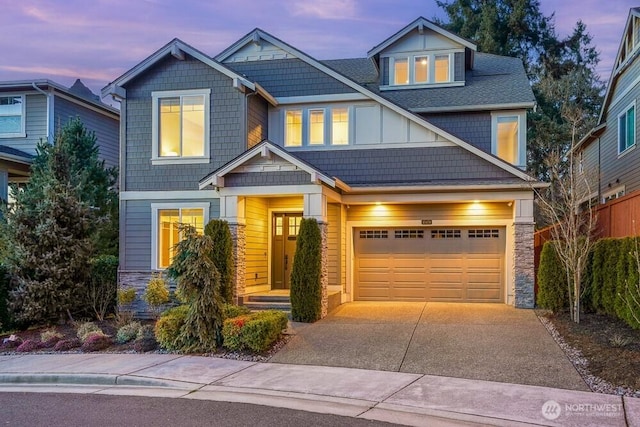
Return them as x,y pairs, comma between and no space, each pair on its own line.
49,111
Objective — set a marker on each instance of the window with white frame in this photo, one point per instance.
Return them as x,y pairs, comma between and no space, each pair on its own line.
419,69
508,138
316,126
166,222
627,129
12,113
181,126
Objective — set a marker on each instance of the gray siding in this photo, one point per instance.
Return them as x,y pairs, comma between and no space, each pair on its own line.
290,77
36,125
226,124
266,178
471,127
615,169
106,128
136,222
459,66
257,120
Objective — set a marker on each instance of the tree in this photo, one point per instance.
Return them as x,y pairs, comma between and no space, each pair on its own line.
306,288
222,254
56,224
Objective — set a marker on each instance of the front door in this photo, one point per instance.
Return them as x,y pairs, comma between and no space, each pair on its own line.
285,228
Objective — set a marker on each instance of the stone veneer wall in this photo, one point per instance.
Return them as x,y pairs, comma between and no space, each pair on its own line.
138,280
523,266
324,268
239,236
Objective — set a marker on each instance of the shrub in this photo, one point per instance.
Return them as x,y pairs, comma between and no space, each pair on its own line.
230,310
66,345
609,288
627,302
96,341
12,342
126,295
222,255
28,345
50,337
156,295
103,284
256,331
127,332
552,280
5,319
86,328
169,326
145,340
306,288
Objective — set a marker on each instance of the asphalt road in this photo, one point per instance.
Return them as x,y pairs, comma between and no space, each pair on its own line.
39,409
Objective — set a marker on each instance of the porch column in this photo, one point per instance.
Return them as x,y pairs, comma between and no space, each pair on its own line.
232,210
315,206
523,265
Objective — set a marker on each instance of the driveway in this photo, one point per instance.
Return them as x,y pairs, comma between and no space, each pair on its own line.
493,342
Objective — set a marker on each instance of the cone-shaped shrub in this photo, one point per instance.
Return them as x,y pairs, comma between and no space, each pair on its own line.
552,280
222,255
306,289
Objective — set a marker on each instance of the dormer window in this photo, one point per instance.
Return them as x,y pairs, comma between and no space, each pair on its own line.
422,69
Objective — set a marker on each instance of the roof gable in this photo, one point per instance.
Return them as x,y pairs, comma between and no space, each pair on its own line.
419,25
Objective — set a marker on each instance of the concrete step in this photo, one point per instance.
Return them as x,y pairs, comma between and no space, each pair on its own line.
268,298
255,306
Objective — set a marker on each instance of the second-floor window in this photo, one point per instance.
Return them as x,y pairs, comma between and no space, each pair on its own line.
420,69
181,126
12,114
627,129
316,126
508,141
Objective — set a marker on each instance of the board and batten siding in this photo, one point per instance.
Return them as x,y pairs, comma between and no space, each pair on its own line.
106,128
613,166
136,221
226,124
257,243
458,212
35,125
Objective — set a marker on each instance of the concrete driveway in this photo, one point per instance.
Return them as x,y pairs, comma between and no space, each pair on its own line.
493,342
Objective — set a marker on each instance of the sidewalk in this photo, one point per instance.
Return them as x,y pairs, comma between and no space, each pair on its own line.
402,398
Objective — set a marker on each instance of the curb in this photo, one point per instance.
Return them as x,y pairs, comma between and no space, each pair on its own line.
91,379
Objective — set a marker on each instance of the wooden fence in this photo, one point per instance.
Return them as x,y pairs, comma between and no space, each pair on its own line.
617,218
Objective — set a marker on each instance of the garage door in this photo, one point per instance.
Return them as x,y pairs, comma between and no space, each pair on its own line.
429,264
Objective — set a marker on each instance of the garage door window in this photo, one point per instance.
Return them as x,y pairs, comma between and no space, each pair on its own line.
374,234
484,234
409,234
446,234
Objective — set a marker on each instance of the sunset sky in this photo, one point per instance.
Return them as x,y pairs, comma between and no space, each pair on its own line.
98,40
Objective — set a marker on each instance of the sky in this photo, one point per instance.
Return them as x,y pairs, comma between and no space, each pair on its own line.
98,40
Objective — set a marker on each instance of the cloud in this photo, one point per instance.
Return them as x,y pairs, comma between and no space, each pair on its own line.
325,9
89,73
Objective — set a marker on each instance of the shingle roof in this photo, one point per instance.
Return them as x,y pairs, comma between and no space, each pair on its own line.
494,80
420,165
15,153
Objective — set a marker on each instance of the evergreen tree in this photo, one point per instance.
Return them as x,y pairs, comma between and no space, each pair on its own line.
306,286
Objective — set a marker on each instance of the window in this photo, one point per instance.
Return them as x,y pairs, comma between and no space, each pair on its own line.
446,234
181,126
293,128
374,234
484,234
316,127
340,126
401,71
627,129
508,143
409,234
166,222
421,69
12,112
442,68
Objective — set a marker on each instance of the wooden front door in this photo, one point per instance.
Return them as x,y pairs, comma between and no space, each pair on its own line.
285,229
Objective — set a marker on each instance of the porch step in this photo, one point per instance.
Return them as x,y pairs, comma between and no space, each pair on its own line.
266,298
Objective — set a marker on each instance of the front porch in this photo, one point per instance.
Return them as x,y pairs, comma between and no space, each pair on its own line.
278,299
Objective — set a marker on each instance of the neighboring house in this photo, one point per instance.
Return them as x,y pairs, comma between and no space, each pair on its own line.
411,159
611,147
33,111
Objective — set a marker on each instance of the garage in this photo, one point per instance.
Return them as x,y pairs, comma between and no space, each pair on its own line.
457,264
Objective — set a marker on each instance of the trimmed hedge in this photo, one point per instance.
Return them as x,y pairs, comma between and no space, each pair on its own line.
306,288
552,280
256,331
169,326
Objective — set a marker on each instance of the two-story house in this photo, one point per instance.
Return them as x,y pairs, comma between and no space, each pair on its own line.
411,159
35,110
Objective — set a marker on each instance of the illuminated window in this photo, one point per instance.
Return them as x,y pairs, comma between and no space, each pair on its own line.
166,224
293,128
279,226
181,126
294,225
627,129
401,71
441,68
12,116
316,127
421,69
340,126
507,139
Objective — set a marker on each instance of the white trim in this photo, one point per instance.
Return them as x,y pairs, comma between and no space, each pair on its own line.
339,97
513,106
23,117
384,88
431,72
614,191
522,134
279,190
442,197
169,195
635,136
375,146
156,159
625,92
155,208
94,108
